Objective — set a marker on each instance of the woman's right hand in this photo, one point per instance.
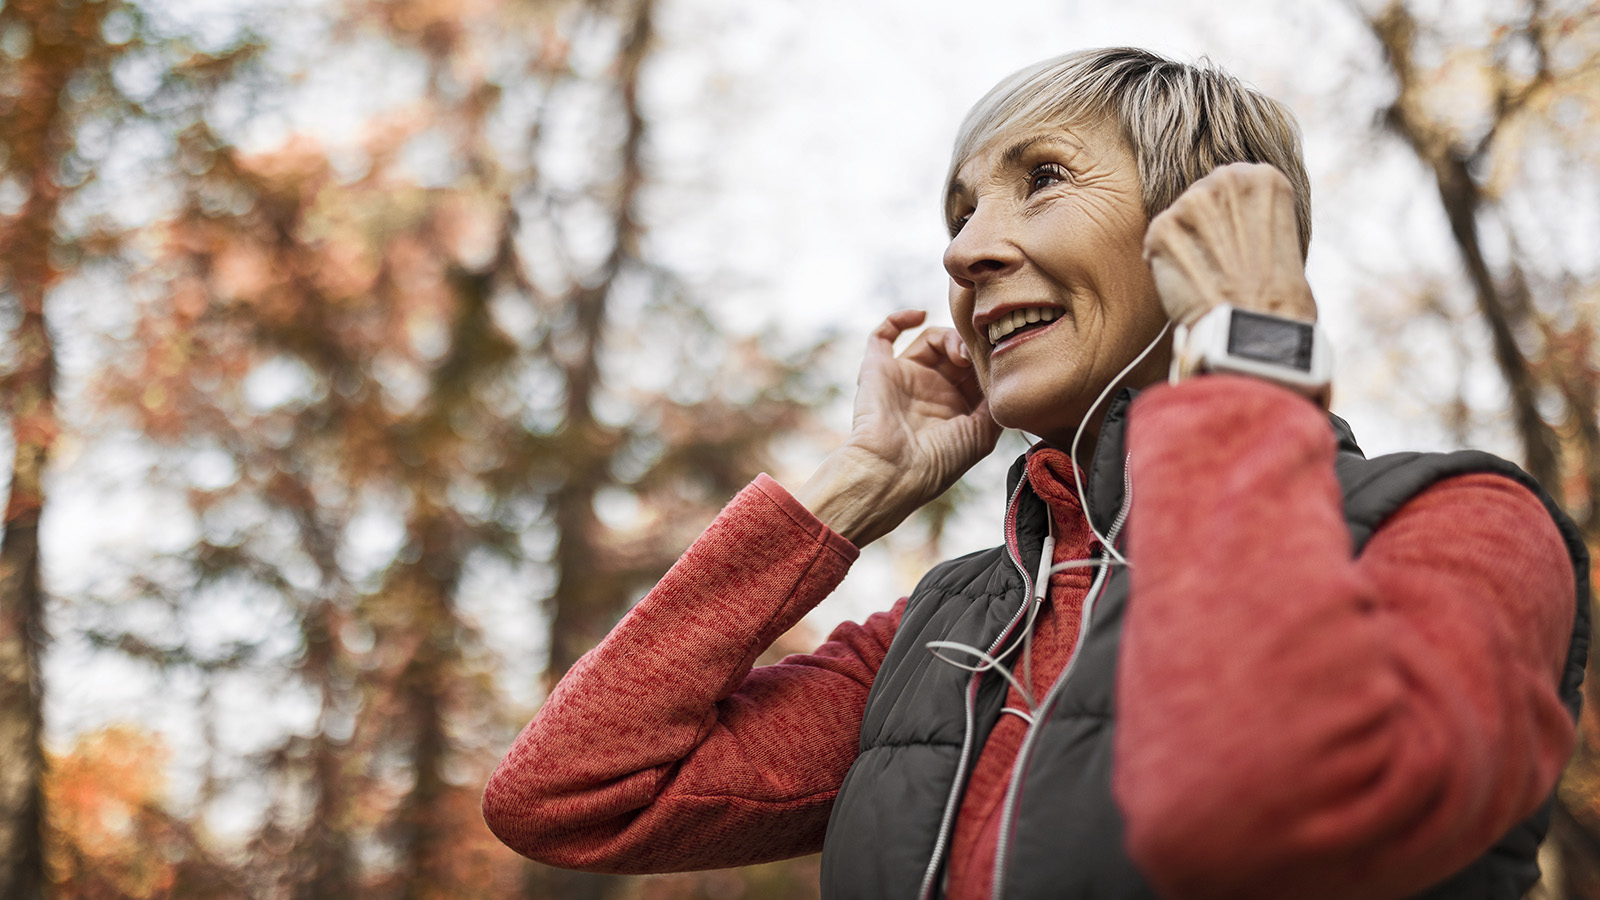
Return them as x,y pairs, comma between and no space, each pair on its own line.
920,423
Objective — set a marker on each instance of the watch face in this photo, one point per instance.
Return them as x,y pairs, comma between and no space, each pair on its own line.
1270,339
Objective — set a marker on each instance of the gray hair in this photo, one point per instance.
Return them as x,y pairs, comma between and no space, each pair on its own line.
1180,120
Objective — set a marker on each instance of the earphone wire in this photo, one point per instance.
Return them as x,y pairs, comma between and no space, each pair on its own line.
1077,471
1041,587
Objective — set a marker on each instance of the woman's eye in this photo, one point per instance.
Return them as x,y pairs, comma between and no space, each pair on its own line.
1043,176
957,223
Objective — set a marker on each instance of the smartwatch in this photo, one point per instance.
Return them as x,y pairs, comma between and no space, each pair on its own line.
1289,352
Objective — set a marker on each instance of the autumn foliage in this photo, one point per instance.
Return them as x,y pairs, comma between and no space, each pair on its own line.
374,374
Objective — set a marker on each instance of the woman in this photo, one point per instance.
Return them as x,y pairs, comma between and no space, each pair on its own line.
1221,656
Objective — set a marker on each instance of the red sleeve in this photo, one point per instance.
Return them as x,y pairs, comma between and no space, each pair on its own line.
1297,723
662,749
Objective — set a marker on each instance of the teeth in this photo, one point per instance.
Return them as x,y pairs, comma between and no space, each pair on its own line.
1018,318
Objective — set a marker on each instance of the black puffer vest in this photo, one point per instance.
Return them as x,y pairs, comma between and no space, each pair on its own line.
926,720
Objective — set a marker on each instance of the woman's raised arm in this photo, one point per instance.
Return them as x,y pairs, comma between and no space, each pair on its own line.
1299,722
662,749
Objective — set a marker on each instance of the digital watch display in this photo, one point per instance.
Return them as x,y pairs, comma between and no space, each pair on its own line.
1290,352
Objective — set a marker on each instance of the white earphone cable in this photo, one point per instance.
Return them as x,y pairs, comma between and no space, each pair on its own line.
1041,586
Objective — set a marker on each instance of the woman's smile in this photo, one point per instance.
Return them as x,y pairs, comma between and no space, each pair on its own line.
1017,324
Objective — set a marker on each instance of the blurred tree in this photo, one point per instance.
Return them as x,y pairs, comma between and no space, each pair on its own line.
1504,113
46,45
110,833
59,104
1535,80
437,361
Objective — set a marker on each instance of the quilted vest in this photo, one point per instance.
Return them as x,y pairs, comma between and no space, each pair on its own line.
925,720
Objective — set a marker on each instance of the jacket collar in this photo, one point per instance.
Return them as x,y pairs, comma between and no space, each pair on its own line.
1105,483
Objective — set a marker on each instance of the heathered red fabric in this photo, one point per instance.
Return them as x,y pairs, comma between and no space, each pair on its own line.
1295,723
1292,723
662,749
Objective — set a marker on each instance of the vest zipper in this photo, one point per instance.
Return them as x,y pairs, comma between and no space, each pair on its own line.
947,821
1014,788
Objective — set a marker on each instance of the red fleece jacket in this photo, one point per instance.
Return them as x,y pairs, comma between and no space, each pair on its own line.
1292,722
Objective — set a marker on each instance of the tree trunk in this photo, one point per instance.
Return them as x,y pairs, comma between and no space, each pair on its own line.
61,35
585,599
1504,305
21,639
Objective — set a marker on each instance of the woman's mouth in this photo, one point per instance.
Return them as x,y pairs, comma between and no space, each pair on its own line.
1021,321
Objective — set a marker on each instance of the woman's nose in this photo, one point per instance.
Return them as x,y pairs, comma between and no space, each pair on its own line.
981,250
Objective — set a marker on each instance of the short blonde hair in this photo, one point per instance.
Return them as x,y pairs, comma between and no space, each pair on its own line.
1180,120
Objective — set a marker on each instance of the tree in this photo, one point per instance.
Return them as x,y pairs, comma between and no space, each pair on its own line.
111,834
59,106
50,44
451,335
1486,108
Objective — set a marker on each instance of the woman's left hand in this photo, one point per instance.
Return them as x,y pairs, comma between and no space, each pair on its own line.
1230,238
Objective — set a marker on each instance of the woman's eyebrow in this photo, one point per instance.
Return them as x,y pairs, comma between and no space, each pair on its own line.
1014,153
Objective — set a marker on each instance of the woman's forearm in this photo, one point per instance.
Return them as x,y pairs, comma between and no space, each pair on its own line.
662,749
1295,722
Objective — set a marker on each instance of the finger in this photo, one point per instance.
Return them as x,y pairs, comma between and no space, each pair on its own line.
936,348
1172,225
1181,298
881,341
959,371
971,390
981,426
991,429
956,348
946,341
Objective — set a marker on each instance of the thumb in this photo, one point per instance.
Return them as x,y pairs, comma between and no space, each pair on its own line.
1180,297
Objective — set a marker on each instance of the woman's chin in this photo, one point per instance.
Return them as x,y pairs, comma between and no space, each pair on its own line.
1051,419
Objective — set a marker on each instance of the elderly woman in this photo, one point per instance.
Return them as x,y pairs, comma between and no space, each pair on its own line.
1219,653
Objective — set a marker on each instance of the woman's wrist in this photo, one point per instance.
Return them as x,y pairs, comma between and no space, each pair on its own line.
853,496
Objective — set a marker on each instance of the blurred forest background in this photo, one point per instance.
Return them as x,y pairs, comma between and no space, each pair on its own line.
366,358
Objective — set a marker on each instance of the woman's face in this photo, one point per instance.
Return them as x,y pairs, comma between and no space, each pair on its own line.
1052,233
